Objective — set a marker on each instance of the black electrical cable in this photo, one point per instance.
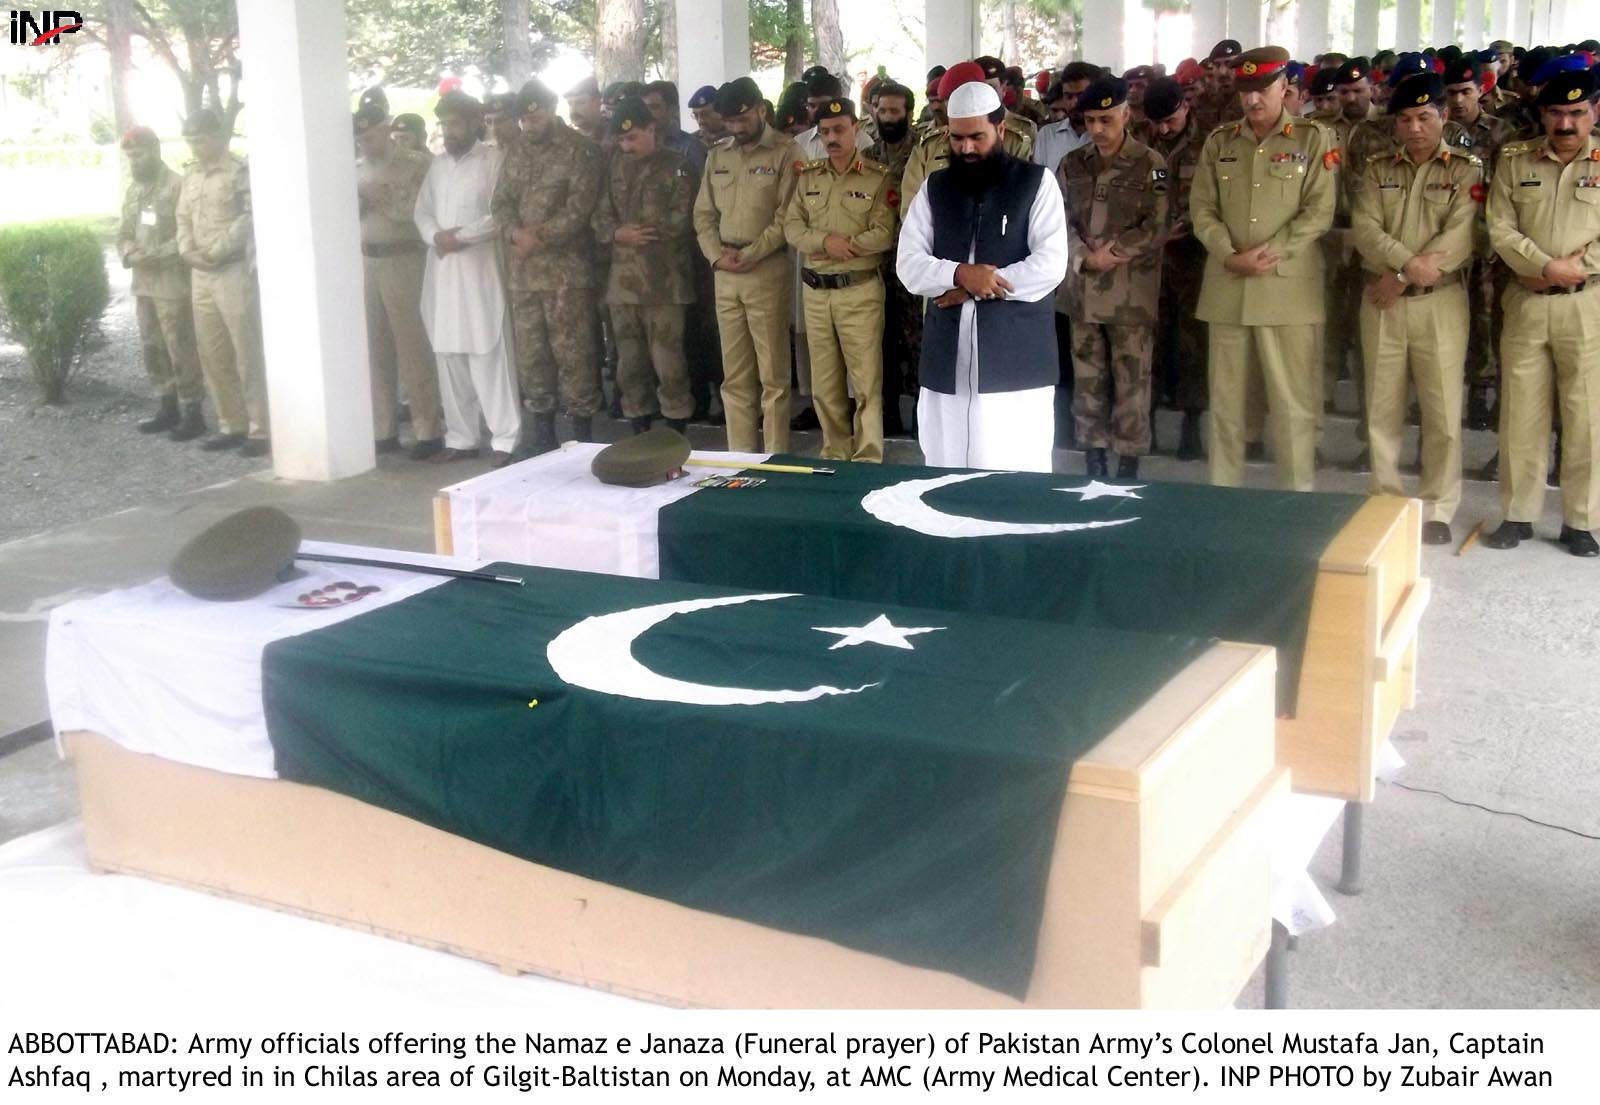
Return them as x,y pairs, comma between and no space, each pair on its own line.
1490,809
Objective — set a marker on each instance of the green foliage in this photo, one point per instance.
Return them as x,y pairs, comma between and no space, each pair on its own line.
412,42
771,24
53,290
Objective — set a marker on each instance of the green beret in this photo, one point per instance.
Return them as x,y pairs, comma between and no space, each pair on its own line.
648,458
738,95
629,115
535,93
1103,94
239,557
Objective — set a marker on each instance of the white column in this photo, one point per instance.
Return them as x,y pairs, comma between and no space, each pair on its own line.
1444,22
1364,30
1407,25
952,31
308,239
1311,29
1474,25
1539,21
1102,34
1563,25
1209,23
713,45
1500,19
1244,22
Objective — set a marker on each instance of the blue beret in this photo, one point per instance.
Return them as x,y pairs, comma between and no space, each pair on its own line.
703,96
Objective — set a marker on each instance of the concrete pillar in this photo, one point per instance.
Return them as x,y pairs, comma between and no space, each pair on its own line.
1407,25
1210,24
308,239
1311,29
1538,22
1244,22
1364,28
1563,24
952,33
1500,19
1475,25
1102,34
713,45
1444,22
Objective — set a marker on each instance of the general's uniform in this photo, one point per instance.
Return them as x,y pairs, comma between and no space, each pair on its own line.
551,186
160,286
1279,190
843,300
393,259
651,285
214,220
1401,210
933,153
1540,209
1121,199
741,204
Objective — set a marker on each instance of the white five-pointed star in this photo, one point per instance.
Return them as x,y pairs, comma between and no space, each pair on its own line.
1094,489
879,631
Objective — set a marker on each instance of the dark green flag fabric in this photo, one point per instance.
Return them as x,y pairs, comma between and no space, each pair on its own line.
907,807
1180,558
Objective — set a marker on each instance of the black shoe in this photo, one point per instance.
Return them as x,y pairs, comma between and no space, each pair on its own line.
1189,447
701,412
190,424
426,448
640,424
445,456
681,425
805,420
1436,533
583,426
165,418
1066,434
1094,463
498,459
1579,542
541,431
1255,450
1490,472
216,443
1361,462
1509,535
255,447
614,410
390,444
1127,468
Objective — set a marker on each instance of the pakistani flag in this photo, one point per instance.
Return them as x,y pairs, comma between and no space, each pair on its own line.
1164,558
886,778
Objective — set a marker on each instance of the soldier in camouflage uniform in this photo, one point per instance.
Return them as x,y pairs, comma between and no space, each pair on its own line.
1218,103
1116,197
933,152
544,203
1353,86
646,217
902,318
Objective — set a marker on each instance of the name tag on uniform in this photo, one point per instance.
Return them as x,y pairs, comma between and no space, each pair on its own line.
1529,183
1390,184
1225,160
147,217
813,193
720,172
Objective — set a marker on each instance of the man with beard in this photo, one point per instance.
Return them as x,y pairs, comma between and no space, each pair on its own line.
902,314
1544,222
986,242
463,294
1218,104
1263,195
147,242
584,110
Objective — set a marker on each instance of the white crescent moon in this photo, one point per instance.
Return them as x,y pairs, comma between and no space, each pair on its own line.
597,655
901,504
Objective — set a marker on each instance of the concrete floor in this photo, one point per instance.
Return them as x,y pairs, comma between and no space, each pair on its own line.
1461,907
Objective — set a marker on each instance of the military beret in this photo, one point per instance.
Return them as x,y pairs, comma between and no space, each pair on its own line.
1408,65
1461,71
1295,71
642,460
957,75
239,557
1081,71
704,96
1256,69
1501,46
1417,90
1324,81
624,90
1162,99
841,108
738,95
814,71
1448,53
1139,73
412,124
936,72
457,102
1356,69
1571,86
1590,45
374,97
1222,51
535,93
202,121
366,117
1332,59
629,115
992,66
1189,71
1384,59
824,84
1531,62
1566,63
139,136
1104,94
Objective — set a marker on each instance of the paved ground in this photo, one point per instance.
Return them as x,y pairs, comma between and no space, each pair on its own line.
1462,907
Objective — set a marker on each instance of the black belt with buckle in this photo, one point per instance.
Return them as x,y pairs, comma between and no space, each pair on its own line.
1558,289
831,280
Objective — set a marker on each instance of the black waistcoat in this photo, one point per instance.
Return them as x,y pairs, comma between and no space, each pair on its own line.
1016,340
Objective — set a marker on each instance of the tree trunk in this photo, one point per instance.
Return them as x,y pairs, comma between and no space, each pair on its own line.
669,39
519,52
1067,36
119,26
1008,31
830,39
794,47
619,41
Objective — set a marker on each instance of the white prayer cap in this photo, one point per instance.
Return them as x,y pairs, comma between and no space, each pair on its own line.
971,100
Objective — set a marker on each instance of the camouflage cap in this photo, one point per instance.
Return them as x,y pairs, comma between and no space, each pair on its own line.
1417,90
648,458
239,557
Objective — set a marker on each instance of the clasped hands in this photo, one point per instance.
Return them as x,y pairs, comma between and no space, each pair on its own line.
1421,271
1255,261
975,282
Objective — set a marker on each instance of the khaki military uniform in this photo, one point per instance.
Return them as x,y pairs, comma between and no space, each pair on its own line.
552,186
1404,209
1540,209
843,300
1179,364
147,242
1487,279
394,257
933,154
902,311
1280,191
650,286
741,205
214,220
1121,199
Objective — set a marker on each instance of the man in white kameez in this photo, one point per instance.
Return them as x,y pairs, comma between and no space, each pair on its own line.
986,242
463,294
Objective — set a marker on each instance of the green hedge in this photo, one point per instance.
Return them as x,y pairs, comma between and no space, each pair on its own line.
53,290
